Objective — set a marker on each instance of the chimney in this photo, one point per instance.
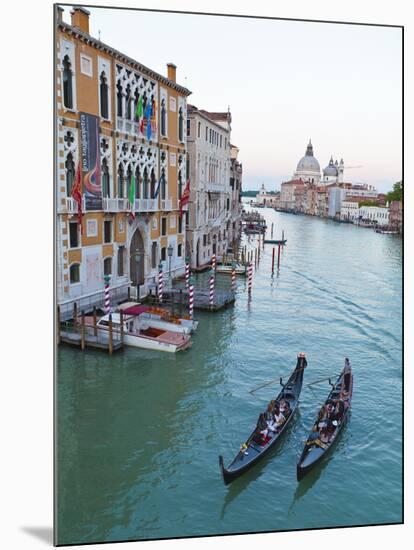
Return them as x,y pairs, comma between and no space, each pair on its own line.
171,71
80,19
59,14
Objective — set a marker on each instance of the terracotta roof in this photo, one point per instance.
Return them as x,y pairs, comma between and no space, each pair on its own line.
293,182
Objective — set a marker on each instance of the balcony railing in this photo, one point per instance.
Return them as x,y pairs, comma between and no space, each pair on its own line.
132,127
146,205
114,204
165,204
68,205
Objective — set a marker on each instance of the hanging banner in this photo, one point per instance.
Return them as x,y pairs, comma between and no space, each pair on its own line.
91,163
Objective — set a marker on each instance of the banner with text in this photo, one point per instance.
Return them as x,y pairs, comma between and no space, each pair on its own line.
91,163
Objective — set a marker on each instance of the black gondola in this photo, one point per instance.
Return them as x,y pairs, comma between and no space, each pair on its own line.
315,449
254,448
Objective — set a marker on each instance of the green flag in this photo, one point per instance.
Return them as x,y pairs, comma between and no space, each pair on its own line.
139,110
131,195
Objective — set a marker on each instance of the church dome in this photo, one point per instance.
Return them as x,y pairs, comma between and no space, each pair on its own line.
308,163
331,169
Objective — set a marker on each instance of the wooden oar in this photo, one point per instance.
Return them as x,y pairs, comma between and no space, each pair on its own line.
273,381
318,381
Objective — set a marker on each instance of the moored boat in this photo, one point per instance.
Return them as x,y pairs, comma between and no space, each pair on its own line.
139,334
256,445
159,317
240,269
276,241
326,431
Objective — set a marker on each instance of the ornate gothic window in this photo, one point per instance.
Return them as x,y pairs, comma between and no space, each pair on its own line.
70,174
67,83
137,182
163,119
103,90
153,184
119,98
163,185
128,179
128,103
136,95
120,181
145,184
105,179
180,125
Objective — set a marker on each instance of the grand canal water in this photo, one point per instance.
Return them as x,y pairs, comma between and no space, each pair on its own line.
139,434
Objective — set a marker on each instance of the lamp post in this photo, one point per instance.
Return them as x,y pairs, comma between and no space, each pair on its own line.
170,251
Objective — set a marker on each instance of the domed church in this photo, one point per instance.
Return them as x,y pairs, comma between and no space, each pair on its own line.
308,169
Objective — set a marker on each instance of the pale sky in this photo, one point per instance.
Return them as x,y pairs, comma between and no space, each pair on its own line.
285,82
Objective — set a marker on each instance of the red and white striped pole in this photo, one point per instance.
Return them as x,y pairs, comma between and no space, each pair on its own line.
190,298
212,281
233,279
187,275
213,261
250,278
107,296
160,284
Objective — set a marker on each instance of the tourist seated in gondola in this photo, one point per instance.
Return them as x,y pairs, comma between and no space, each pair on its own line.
322,417
279,418
339,410
262,429
325,436
285,408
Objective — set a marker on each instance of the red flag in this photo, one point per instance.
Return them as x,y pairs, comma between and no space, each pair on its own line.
77,193
185,197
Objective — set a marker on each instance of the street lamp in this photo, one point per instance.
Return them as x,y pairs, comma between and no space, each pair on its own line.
170,251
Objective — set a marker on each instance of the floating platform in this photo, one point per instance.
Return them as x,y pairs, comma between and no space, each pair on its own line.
275,241
101,341
222,298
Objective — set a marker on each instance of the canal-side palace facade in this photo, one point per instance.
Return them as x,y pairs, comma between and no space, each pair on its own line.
122,170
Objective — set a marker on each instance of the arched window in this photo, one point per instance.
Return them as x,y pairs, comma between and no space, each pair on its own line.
67,83
136,95
163,185
103,90
153,182
120,181
128,179
105,179
145,184
74,274
108,266
180,125
128,103
163,119
70,174
119,98
180,185
137,182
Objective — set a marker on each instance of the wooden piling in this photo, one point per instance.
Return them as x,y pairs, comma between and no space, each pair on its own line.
278,256
58,326
75,315
110,343
82,330
273,260
271,232
95,320
181,302
121,329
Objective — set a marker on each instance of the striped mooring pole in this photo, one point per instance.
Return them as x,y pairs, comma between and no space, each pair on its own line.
190,298
212,281
250,278
187,274
107,295
233,279
160,283
213,261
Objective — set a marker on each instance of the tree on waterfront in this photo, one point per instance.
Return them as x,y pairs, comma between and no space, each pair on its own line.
396,193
